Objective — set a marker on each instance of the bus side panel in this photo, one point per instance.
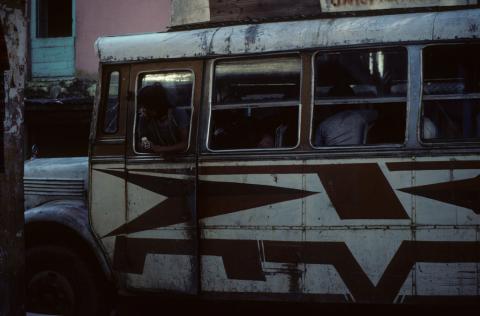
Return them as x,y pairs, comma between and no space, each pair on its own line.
346,231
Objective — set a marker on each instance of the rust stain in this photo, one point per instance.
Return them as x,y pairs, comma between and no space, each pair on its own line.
251,35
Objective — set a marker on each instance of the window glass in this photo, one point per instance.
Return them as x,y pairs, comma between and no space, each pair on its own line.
451,93
255,104
54,18
361,73
360,97
451,69
257,80
164,108
110,123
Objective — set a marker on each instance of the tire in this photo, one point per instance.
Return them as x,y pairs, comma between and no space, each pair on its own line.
60,282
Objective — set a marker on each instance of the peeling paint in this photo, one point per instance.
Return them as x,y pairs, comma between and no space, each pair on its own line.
251,35
14,35
15,25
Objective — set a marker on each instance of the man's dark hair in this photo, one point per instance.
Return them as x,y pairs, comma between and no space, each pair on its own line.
154,98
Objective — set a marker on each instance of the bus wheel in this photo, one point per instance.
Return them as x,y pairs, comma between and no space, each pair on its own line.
60,282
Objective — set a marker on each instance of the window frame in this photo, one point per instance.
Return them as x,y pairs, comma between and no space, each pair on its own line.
284,104
135,108
38,20
104,103
353,101
106,70
442,97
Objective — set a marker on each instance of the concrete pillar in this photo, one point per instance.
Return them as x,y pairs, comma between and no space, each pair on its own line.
13,37
189,12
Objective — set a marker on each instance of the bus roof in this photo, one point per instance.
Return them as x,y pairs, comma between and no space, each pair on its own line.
291,35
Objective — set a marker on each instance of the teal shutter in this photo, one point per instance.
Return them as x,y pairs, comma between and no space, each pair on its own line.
51,56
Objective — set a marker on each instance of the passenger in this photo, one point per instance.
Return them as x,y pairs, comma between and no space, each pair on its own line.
345,128
161,127
429,129
266,141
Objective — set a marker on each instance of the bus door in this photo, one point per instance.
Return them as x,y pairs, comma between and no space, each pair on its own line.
107,157
159,240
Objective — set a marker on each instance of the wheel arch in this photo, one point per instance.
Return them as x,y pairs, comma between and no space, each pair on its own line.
65,223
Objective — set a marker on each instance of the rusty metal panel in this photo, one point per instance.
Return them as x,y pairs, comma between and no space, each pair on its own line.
260,9
262,38
291,235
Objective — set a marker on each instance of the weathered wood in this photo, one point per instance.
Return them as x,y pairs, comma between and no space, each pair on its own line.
12,68
224,10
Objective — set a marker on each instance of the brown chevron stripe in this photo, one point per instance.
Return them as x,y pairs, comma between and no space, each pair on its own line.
357,191
285,169
267,169
360,191
177,208
242,260
217,198
240,257
180,171
464,193
433,165
338,255
214,198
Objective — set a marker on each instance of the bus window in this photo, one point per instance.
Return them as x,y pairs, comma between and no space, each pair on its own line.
164,110
451,93
360,97
110,122
255,104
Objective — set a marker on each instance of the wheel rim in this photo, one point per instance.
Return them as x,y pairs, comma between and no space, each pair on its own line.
50,292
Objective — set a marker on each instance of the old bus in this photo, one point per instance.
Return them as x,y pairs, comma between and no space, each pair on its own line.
333,160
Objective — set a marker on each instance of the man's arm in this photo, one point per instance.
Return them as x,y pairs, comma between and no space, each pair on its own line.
178,147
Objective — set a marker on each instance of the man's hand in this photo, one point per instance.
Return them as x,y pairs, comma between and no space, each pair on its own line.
146,144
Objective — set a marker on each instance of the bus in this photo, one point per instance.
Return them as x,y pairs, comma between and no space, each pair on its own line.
326,160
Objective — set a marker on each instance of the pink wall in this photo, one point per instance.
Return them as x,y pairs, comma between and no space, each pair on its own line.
96,18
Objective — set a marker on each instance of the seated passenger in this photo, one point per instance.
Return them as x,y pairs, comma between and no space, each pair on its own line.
429,129
266,141
161,128
345,128
280,135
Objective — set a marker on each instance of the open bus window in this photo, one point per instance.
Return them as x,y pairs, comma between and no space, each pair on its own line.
255,104
360,97
110,122
451,93
164,110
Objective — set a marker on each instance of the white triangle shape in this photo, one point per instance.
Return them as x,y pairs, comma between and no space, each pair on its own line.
141,200
375,249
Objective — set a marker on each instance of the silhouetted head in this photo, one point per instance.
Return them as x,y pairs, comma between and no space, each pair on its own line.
154,99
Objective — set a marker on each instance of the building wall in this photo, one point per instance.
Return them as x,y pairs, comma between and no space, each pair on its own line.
96,18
